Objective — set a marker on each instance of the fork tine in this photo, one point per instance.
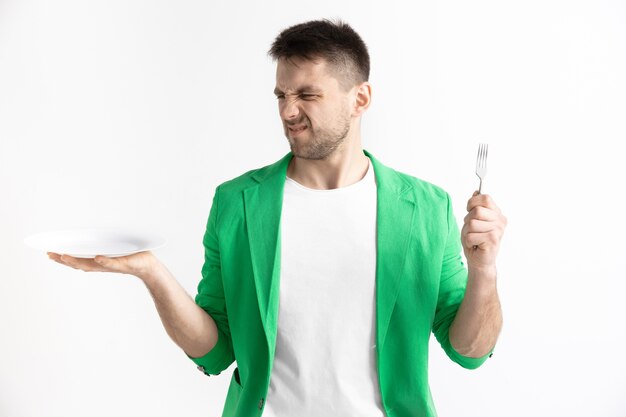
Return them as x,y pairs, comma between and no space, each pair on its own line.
486,150
483,159
479,159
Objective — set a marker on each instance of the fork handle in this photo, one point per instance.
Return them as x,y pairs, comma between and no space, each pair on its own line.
479,188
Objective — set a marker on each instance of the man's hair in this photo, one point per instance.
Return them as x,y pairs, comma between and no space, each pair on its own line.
335,42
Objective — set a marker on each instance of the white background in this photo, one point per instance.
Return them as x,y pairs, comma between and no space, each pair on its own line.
130,113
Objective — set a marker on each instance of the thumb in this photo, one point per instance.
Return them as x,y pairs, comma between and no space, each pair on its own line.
106,262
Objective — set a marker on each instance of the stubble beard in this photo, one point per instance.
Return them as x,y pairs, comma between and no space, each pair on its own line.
321,142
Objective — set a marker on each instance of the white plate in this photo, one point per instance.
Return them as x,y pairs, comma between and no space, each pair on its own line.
87,243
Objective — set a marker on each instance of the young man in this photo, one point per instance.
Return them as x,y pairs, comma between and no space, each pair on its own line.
326,272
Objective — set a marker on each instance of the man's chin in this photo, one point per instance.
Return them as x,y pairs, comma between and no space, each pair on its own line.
298,152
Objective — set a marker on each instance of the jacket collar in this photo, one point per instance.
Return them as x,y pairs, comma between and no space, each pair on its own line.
396,211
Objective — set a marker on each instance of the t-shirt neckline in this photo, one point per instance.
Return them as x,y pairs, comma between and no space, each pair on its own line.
363,180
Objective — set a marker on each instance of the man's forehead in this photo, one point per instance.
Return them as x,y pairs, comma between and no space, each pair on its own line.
301,61
295,64
301,75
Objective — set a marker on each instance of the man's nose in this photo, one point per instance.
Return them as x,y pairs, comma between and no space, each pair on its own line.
289,109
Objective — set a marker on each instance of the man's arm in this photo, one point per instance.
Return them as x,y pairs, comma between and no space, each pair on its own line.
189,326
200,328
478,321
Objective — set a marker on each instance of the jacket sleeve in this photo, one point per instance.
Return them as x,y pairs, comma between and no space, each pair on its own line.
453,282
210,298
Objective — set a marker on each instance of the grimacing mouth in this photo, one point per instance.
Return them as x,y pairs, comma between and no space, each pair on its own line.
296,127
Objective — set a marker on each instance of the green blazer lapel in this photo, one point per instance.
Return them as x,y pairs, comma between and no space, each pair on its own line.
263,207
395,214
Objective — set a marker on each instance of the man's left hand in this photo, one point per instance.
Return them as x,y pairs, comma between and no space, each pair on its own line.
483,227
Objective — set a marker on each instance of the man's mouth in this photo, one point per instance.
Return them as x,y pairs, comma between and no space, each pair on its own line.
297,129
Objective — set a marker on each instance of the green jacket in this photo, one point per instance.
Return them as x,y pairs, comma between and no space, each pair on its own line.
420,283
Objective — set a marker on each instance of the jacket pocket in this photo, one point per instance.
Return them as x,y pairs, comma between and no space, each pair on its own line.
233,395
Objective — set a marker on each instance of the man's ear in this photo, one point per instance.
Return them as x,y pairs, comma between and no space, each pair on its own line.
363,98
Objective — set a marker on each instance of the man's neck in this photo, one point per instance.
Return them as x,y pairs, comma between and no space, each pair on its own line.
344,167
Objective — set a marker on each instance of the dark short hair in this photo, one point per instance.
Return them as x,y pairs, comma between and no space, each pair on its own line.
335,42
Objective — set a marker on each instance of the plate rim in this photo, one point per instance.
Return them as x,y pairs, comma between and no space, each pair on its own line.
155,240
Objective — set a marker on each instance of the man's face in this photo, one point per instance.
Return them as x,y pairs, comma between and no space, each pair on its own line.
313,107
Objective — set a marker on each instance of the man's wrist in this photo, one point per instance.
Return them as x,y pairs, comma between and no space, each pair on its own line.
482,278
153,272
483,270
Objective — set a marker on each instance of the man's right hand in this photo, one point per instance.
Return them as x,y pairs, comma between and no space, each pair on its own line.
139,264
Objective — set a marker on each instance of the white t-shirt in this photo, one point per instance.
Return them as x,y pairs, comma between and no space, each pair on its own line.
325,363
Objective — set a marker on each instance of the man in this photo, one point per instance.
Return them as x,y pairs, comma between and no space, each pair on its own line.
326,272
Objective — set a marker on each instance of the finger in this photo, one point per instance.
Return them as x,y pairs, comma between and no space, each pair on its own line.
121,264
56,258
112,264
85,264
483,200
483,240
482,213
478,226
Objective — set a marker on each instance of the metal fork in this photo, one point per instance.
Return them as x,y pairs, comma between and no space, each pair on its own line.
481,164
481,167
